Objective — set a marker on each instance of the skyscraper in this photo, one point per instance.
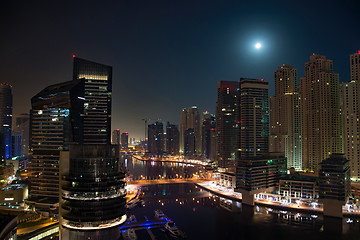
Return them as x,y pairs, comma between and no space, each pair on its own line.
189,142
209,136
172,139
54,114
115,138
156,139
124,140
96,114
21,127
190,118
92,192
5,121
320,112
226,124
256,169
350,111
285,121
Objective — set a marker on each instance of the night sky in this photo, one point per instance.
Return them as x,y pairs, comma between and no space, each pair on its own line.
167,55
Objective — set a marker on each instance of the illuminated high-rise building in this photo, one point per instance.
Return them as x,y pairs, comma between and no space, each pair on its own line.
5,121
350,111
96,113
285,121
226,124
190,118
92,203
52,127
156,139
172,139
124,140
208,136
321,131
115,138
20,128
256,169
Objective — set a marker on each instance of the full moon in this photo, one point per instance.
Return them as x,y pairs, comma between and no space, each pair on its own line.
258,45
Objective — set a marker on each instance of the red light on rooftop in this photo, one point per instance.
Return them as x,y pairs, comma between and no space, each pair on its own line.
359,52
117,129
126,132
73,56
262,80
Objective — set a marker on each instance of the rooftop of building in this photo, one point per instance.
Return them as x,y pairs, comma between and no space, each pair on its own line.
299,177
56,88
15,185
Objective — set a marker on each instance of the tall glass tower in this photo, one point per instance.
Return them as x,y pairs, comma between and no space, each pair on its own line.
5,121
96,114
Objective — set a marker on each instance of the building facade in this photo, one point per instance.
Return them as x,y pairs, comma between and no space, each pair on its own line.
92,192
115,138
257,170
209,136
320,113
190,118
189,143
334,184
172,139
156,139
20,129
96,112
124,141
285,119
350,111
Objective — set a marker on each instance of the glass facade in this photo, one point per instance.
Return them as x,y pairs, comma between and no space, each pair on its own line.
256,168
96,113
92,187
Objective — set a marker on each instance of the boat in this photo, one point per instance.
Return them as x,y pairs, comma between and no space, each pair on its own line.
129,234
132,219
173,230
159,214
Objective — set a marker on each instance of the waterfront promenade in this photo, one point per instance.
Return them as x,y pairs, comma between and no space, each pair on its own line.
209,186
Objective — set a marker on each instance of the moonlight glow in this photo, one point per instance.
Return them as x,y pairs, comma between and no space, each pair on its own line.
258,45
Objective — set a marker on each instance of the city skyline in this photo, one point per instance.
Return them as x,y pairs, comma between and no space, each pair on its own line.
160,51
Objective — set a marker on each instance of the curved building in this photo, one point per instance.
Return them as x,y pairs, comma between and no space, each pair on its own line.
92,191
5,121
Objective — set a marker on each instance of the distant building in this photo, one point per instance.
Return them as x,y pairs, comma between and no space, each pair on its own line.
226,124
6,100
334,184
189,142
190,118
321,131
257,170
285,119
172,139
156,139
115,138
295,186
124,140
209,136
350,111
20,131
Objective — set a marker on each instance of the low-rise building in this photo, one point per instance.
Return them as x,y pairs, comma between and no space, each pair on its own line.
227,180
14,193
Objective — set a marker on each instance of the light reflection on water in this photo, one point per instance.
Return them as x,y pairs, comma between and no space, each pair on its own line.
205,216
